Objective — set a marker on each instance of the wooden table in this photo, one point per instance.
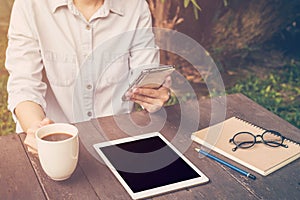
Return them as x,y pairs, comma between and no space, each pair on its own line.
21,176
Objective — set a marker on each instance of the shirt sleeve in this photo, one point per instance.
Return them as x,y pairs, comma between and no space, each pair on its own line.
23,59
144,52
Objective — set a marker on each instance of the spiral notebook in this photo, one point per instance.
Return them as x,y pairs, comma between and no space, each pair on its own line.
260,158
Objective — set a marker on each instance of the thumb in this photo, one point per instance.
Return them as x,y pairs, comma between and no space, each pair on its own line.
30,140
46,121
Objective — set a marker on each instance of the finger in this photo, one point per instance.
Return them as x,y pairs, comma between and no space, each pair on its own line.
31,131
146,99
32,150
149,107
165,93
162,93
30,140
168,82
46,121
149,92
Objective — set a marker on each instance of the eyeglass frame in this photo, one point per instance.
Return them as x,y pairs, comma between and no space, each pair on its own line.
261,141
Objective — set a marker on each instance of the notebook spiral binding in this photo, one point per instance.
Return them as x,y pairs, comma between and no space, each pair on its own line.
250,123
256,126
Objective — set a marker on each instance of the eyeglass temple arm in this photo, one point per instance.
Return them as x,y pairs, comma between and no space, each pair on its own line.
286,138
284,145
237,146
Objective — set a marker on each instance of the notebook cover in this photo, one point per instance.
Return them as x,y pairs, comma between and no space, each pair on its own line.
260,158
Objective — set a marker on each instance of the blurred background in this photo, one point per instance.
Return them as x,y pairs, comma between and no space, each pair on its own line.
6,123
255,44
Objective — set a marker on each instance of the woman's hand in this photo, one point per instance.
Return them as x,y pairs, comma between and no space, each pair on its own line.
30,140
151,99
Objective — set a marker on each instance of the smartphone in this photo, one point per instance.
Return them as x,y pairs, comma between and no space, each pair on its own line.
149,78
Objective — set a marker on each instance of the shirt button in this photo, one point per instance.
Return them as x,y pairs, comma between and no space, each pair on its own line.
89,113
89,86
88,27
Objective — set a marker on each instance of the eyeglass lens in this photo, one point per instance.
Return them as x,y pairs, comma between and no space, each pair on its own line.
246,139
243,140
272,138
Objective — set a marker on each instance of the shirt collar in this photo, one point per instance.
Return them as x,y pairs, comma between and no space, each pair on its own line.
116,6
54,4
112,5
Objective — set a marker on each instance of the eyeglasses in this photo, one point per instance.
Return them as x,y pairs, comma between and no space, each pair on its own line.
245,140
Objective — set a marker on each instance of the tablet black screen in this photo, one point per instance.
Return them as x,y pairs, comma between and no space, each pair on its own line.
148,163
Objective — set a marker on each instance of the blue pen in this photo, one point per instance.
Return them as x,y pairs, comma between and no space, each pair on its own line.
226,163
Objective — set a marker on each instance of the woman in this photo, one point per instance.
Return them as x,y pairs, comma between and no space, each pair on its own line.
68,60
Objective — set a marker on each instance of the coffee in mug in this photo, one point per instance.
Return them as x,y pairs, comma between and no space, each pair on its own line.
58,149
56,136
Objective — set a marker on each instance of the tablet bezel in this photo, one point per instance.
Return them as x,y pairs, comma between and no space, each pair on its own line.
158,190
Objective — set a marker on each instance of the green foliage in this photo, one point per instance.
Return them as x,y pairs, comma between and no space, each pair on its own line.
196,6
225,3
186,3
6,122
278,91
180,98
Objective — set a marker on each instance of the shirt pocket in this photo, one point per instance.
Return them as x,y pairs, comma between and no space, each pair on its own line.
61,69
116,72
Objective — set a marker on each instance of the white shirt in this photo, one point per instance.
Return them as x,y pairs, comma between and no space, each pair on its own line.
74,68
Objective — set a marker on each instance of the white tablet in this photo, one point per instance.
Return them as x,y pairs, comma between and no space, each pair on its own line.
148,165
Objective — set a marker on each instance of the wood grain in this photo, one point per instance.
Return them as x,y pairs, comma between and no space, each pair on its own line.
222,185
21,173
17,178
284,183
76,187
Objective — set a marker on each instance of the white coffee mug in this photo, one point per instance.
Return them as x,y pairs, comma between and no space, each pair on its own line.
58,154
